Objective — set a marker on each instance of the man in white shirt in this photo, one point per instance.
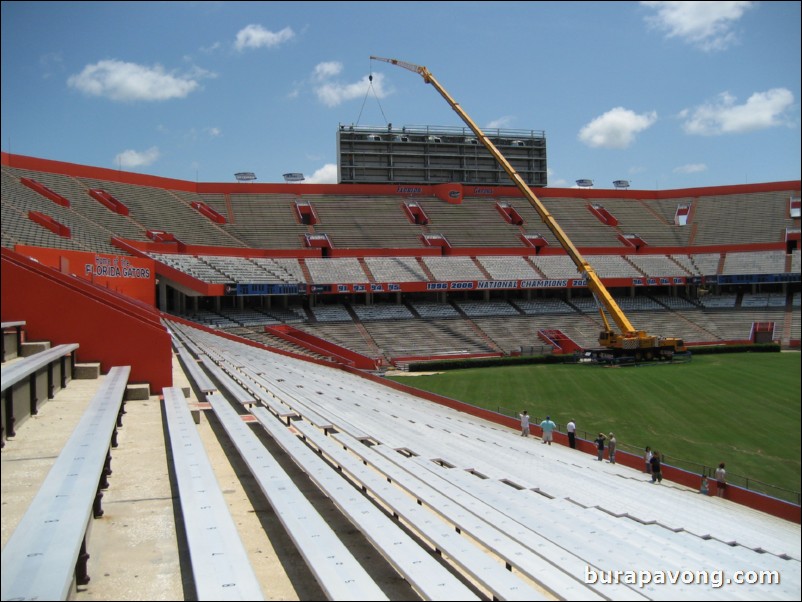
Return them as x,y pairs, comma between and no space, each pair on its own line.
571,428
524,423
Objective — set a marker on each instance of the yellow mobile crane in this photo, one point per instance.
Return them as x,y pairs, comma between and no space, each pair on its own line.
629,343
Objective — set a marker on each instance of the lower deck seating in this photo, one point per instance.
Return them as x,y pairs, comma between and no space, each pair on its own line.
220,564
339,574
427,576
46,554
12,338
544,512
28,381
440,330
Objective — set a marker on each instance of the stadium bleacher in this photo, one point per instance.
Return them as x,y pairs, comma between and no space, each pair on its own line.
258,220
535,512
477,498
270,220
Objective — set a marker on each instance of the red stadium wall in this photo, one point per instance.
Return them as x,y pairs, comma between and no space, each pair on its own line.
95,173
131,276
109,327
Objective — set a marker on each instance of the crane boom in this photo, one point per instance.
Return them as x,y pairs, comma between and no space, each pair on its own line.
630,337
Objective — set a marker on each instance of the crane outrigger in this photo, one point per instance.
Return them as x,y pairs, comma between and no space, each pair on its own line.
628,342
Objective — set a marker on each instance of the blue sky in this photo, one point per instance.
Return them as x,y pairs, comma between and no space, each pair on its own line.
663,94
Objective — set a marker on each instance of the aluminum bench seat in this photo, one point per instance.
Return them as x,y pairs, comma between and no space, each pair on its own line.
220,564
46,554
338,573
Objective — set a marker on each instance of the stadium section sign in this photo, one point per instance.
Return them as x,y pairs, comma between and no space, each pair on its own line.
131,276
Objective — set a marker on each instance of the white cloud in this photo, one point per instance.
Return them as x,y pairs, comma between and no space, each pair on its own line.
707,25
333,94
691,168
131,159
326,70
213,132
616,128
50,63
123,81
501,123
761,110
256,36
214,47
325,175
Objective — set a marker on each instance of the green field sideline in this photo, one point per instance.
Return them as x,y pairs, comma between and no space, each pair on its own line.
742,409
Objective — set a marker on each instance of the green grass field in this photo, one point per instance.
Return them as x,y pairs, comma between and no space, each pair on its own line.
742,409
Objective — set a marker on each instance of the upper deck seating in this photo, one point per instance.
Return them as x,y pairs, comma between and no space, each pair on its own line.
646,218
19,200
765,262
364,222
473,223
734,218
161,209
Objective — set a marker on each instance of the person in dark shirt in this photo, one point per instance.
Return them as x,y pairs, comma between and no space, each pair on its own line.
657,471
599,441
